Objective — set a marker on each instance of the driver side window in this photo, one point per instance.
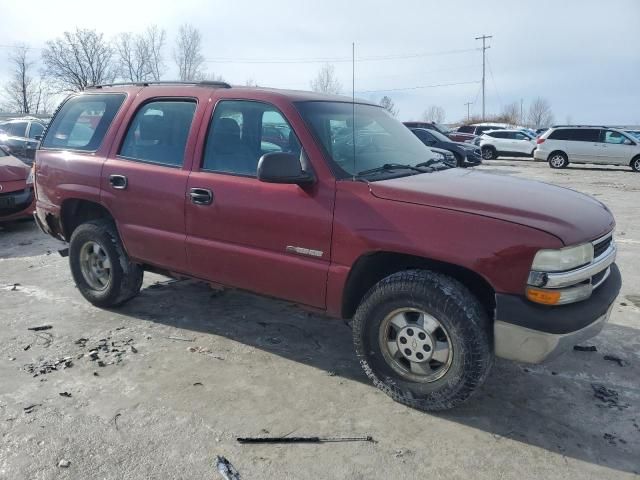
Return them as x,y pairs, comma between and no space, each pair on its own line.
240,132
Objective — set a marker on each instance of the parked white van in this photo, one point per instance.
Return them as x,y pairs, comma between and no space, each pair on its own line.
562,145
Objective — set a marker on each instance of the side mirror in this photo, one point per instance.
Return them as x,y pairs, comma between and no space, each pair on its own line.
280,167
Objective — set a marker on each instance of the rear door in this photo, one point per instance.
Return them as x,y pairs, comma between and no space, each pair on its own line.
145,176
269,238
582,145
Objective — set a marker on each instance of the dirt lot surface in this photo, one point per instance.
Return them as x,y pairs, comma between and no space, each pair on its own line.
157,389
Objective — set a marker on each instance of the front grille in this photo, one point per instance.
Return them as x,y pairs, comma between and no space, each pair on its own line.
600,247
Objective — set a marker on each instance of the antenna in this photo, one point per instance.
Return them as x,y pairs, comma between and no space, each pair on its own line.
353,104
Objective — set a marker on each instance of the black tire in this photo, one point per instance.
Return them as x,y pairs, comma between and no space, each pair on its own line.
125,277
458,311
489,153
558,160
635,164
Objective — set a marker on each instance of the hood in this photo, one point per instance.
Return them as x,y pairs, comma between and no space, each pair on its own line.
571,216
12,169
466,146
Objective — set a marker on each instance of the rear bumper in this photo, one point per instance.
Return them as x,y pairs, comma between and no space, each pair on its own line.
539,156
526,332
22,204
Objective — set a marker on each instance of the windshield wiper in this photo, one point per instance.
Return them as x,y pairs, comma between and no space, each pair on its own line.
428,163
393,166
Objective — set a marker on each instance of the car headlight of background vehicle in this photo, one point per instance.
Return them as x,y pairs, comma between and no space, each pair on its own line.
438,156
563,259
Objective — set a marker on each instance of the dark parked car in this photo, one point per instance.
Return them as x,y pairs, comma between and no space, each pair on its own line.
440,268
430,126
468,133
467,155
21,137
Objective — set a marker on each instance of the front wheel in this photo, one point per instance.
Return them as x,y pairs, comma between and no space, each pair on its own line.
423,339
635,164
100,267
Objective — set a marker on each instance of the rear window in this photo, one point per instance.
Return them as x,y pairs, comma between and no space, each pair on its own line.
575,134
82,122
466,129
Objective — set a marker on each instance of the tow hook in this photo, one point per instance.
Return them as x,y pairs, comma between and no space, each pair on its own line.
64,252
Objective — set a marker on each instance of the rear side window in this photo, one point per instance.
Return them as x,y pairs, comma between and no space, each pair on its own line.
575,134
82,122
17,129
158,132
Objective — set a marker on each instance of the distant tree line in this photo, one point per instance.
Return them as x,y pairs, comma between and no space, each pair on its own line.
85,57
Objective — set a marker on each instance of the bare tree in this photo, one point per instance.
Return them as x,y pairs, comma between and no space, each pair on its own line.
19,89
25,93
540,114
434,113
250,82
155,38
388,105
79,59
511,113
132,57
188,53
326,81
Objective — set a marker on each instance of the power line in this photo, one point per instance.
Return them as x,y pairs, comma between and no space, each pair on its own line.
418,87
494,83
484,49
378,58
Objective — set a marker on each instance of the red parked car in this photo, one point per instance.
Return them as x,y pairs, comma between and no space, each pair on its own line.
16,188
439,268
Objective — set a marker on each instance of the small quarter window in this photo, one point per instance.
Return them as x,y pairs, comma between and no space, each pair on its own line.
35,129
82,122
158,133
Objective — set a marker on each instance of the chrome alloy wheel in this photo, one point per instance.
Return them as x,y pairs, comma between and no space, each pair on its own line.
416,345
95,265
557,161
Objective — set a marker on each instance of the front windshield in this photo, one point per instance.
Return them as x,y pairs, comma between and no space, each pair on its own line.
380,140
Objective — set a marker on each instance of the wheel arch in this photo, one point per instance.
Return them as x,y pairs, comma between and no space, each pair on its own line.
372,267
76,211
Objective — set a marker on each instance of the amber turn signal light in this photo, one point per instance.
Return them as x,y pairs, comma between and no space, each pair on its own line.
544,297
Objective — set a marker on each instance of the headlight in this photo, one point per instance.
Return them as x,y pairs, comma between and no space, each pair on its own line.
30,177
438,156
563,259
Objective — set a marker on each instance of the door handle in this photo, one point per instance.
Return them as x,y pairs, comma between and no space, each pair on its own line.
201,196
119,182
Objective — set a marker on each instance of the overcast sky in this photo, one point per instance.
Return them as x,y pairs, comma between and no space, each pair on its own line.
582,56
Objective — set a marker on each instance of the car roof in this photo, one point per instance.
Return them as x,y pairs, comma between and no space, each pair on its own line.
291,95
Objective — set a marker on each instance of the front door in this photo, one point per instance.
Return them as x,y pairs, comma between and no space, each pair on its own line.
615,148
145,178
272,239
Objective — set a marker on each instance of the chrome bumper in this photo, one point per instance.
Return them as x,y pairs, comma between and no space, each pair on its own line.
522,344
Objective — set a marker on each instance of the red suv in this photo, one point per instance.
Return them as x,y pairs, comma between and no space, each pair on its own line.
439,268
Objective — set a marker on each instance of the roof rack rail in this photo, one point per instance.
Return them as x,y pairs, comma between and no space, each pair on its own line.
203,83
593,126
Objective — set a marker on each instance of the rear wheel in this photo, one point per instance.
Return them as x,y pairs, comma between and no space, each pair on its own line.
558,160
489,153
423,339
100,267
635,164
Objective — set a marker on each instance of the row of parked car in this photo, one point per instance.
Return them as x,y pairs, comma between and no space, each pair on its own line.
558,145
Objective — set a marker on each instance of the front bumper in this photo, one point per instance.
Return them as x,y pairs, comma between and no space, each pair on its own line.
17,204
526,332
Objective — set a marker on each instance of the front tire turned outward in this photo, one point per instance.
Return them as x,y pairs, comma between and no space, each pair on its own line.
100,267
423,339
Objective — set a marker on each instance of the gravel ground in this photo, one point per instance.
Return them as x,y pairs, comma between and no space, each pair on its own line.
157,389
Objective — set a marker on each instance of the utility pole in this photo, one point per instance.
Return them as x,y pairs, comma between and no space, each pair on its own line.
484,48
521,113
468,116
